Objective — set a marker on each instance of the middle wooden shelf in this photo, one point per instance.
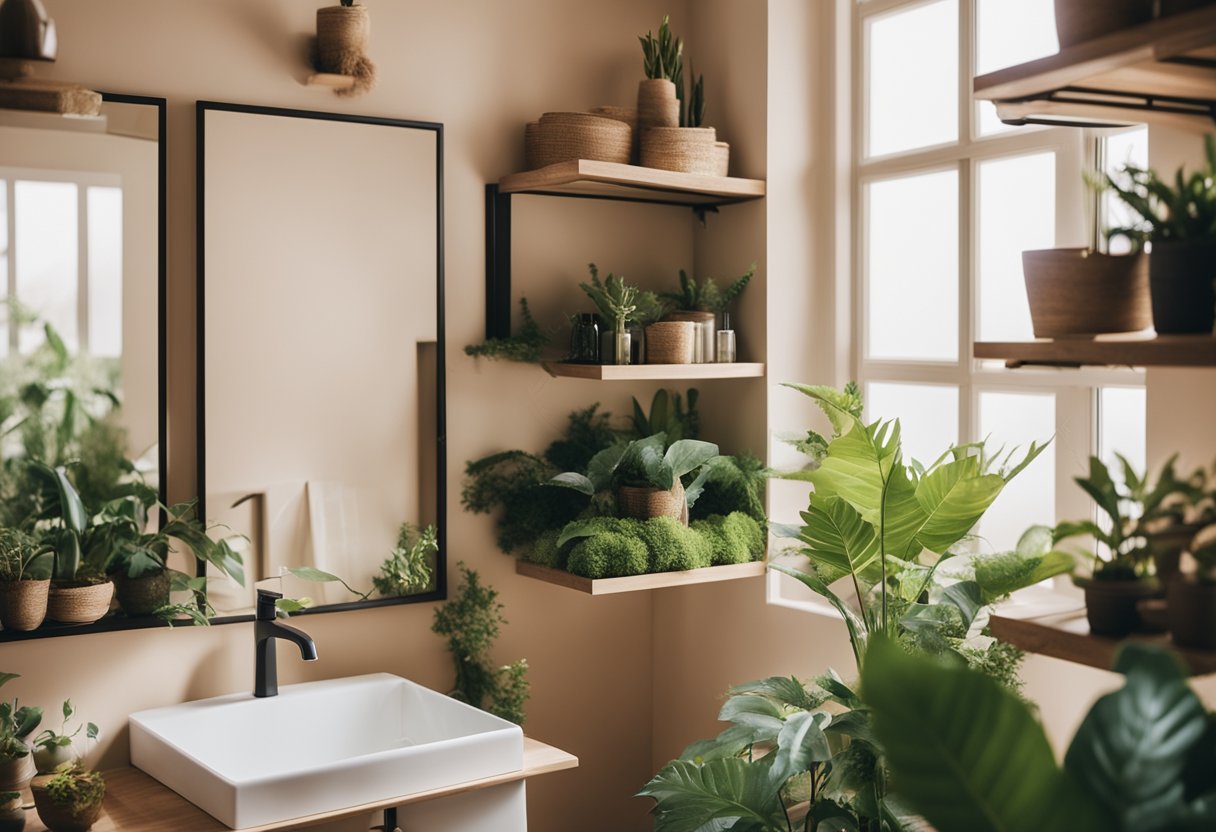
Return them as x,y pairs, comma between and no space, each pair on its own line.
653,372
640,583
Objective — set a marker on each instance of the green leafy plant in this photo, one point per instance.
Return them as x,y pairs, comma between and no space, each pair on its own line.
812,443
50,740
17,722
706,295
1203,550
23,557
470,622
527,345
647,463
408,569
613,297
76,787
668,416
696,101
1185,210
1141,760
662,58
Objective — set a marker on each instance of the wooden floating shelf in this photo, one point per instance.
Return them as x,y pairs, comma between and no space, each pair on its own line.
1110,350
640,583
652,372
1068,638
611,180
330,80
1164,70
135,802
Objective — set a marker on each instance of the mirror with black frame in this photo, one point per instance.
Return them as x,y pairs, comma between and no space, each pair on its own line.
82,273
321,397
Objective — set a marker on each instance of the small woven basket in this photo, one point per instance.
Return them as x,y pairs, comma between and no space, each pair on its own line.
627,115
563,137
682,149
721,159
657,104
645,503
23,604
77,602
670,342
143,595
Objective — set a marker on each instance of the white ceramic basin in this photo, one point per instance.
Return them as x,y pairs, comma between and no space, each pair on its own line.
319,747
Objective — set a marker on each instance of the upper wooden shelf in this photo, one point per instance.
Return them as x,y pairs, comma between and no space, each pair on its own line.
1164,70
1135,350
1068,638
652,372
330,80
610,180
640,583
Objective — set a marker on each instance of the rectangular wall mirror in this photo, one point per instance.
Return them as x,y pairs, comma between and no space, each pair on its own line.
321,395
82,322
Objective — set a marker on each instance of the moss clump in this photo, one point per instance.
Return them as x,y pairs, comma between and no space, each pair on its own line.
609,555
674,547
734,484
735,538
546,552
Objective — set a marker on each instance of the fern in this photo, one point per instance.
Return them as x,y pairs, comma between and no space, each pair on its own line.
526,346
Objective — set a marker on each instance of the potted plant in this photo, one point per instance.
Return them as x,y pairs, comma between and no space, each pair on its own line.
1171,512
69,799
53,749
1080,20
408,569
620,304
17,722
25,580
1179,220
12,812
661,95
1191,599
701,302
341,48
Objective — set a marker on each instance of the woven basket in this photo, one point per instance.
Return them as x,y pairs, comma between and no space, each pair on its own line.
143,595
705,333
721,159
563,137
530,131
23,604
77,602
342,36
657,105
627,115
683,149
670,342
645,503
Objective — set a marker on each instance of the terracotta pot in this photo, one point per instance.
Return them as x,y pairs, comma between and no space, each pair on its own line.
62,818
23,604
1181,278
12,816
1073,291
79,602
1080,20
645,503
143,595
1167,547
1110,605
1192,612
15,774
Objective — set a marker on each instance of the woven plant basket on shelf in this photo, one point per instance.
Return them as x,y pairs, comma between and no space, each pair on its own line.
563,137
530,135
79,602
625,115
682,149
143,595
60,817
670,342
657,105
646,503
721,159
704,339
23,604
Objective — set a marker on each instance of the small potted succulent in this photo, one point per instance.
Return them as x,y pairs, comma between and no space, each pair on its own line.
1191,599
25,580
70,798
53,749
620,305
661,94
1179,220
701,301
12,812
17,722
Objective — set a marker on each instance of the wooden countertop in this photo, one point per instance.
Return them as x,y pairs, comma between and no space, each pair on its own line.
136,802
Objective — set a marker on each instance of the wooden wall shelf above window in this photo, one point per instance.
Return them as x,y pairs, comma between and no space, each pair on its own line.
640,583
1105,350
1161,71
653,372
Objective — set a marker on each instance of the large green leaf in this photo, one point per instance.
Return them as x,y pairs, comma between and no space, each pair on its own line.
729,743
966,753
800,744
687,455
784,690
575,481
1133,746
689,796
838,405
71,508
603,464
752,711
838,537
953,497
858,465
1006,572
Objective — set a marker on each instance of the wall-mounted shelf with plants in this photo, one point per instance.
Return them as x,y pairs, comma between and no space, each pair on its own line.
653,372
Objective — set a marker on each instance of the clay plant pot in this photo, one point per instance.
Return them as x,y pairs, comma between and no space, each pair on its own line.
646,503
1192,612
143,595
79,602
23,604
1078,21
15,775
1110,605
59,818
12,815
657,105
1078,292
1182,280
1167,547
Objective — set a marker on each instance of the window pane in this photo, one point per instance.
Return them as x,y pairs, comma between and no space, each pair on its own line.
46,258
1121,428
912,75
1017,211
1009,32
912,268
1127,148
105,271
927,413
1017,419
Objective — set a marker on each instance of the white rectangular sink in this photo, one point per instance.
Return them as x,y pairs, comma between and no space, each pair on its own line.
319,747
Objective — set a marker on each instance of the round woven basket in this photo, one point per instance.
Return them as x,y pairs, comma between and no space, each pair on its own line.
627,115
670,342
721,159
530,131
143,595
705,333
78,602
645,503
562,137
657,104
342,32
23,604
683,149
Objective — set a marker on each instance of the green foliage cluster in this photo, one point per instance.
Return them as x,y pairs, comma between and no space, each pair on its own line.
620,303
588,432
23,557
814,444
471,621
408,568
527,345
734,538
1184,211
735,483
662,58
706,295
76,787
16,723
48,738
667,416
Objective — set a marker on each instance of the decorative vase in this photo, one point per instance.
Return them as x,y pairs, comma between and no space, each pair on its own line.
1075,291
1191,606
1182,280
23,604
143,595
1110,605
15,774
704,349
1078,21
61,818
644,503
79,602
657,106
622,344
12,815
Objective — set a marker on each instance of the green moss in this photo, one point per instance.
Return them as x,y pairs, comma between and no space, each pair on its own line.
735,538
735,484
674,547
609,555
545,551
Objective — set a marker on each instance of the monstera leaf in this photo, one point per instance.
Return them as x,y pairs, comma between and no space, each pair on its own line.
728,793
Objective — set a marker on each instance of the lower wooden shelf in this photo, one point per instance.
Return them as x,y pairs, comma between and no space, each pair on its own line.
136,802
1068,638
1134,350
653,372
640,583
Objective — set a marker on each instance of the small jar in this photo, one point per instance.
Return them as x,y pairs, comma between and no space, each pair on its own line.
585,340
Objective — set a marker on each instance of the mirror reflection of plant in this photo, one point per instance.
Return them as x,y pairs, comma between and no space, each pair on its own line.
408,569
527,345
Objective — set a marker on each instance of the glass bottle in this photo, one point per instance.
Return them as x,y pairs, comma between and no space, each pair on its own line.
726,341
623,342
585,340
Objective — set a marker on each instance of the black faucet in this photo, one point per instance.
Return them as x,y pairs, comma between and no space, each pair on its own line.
265,630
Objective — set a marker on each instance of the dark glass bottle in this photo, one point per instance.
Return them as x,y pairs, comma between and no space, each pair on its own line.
584,340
